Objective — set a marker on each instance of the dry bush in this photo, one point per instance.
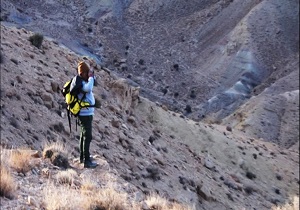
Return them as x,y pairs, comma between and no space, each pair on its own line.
19,160
62,197
178,206
57,153
36,40
88,184
7,184
157,202
49,149
154,201
293,205
108,199
66,177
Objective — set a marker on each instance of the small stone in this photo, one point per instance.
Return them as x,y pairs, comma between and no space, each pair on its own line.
208,163
278,177
132,120
115,123
228,128
31,201
250,175
204,192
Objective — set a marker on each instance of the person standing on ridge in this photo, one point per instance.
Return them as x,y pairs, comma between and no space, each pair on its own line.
85,117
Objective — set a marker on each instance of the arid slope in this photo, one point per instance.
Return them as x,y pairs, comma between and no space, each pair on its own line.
150,150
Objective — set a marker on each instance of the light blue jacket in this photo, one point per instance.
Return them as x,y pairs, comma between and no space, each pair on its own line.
89,97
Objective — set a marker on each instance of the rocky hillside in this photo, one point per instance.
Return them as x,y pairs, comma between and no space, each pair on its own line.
145,147
210,60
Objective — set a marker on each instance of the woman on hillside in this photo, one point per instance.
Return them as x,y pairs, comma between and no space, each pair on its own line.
86,77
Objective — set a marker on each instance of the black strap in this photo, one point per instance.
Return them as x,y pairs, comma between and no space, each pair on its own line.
69,119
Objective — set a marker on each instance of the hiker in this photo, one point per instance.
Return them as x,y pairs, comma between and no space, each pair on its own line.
85,116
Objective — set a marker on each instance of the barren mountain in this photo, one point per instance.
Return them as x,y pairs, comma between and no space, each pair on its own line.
217,126
202,58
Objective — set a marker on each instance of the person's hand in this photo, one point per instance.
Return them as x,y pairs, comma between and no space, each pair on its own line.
91,73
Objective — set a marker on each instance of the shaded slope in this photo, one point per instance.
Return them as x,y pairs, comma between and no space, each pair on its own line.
153,149
208,57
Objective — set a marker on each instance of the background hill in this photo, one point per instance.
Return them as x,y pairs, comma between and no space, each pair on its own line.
202,58
235,63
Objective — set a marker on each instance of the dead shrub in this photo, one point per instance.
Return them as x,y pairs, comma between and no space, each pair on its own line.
36,40
88,184
154,201
7,183
56,152
108,198
157,202
62,197
66,177
293,204
60,160
20,160
49,149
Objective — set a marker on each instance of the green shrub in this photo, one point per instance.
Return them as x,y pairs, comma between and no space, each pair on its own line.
36,40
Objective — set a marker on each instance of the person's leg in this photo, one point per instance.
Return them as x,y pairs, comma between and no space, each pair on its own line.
88,137
86,132
81,140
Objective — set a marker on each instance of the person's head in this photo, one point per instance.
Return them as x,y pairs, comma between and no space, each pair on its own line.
83,70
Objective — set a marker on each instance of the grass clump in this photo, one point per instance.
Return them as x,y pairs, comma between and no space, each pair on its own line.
157,202
62,197
56,152
293,204
36,40
108,198
19,160
66,177
88,184
7,183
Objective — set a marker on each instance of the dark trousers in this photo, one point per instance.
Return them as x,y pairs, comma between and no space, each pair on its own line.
85,123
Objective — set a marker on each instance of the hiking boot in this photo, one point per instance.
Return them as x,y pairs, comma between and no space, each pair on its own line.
89,164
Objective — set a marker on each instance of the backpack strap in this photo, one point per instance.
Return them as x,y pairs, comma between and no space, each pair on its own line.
69,119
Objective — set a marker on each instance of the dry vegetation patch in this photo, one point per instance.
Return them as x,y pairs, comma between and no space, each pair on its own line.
157,202
67,177
292,205
62,197
20,160
88,184
7,183
109,198
57,153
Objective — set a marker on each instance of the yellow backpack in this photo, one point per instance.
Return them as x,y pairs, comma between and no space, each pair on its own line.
74,104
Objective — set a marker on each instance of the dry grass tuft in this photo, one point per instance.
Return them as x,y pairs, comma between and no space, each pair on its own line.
293,205
177,206
19,160
62,197
50,149
7,184
108,198
57,154
66,177
157,202
88,184
154,201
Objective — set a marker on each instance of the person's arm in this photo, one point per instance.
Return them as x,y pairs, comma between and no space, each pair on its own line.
88,87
